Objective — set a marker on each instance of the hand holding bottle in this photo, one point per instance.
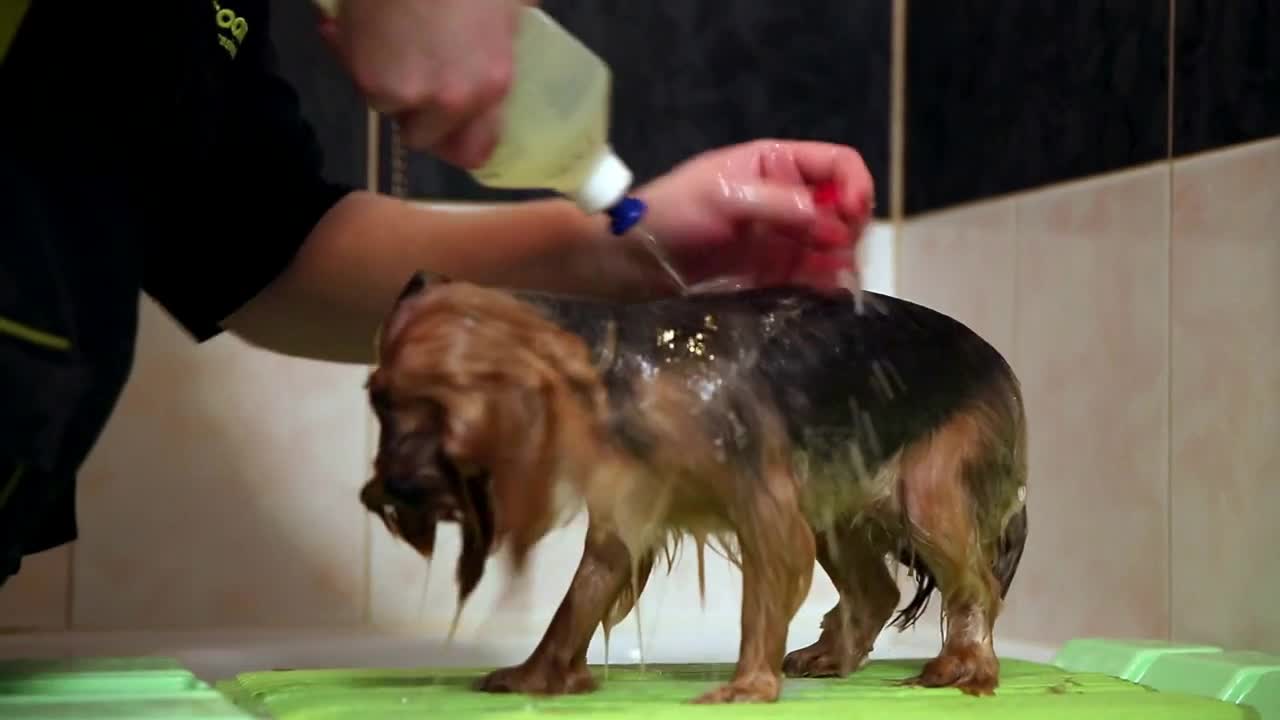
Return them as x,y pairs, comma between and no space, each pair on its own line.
749,212
441,68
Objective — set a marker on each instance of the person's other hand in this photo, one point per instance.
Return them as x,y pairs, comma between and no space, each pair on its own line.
747,212
439,67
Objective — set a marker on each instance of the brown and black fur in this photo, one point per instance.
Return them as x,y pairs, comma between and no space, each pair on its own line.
786,425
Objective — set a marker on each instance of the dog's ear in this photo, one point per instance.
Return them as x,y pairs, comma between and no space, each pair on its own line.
415,290
477,534
518,396
508,430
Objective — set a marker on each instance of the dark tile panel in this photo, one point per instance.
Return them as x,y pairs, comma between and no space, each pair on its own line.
1226,73
698,74
1006,95
329,99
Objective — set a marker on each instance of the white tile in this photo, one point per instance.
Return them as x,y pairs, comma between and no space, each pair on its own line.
223,491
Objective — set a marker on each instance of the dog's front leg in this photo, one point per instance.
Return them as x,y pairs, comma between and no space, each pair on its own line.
558,665
777,548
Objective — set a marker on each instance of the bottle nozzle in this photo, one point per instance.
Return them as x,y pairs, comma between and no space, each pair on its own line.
625,215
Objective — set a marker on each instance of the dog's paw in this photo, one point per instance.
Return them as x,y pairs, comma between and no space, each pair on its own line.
972,672
821,660
762,688
532,679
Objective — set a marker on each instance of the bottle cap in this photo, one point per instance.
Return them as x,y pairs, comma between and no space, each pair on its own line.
605,185
625,215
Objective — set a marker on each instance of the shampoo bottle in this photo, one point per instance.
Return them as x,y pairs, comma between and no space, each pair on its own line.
555,127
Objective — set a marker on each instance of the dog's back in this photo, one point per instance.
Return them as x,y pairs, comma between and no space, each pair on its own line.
881,372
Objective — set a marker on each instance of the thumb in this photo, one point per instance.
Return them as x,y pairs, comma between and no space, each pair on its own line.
784,206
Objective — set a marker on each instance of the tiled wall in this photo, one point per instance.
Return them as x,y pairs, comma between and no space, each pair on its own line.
1051,200
1142,312
1126,259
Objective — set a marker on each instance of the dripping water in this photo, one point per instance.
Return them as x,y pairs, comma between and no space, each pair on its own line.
659,254
605,627
635,591
422,601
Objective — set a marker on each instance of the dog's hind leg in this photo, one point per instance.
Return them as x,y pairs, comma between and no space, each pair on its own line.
943,520
855,561
558,665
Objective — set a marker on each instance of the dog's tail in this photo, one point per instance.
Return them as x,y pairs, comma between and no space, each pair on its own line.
925,585
1009,550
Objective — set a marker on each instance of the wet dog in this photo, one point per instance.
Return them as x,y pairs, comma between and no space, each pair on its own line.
783,425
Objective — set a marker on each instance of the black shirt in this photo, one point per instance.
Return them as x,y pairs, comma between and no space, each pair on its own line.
144,147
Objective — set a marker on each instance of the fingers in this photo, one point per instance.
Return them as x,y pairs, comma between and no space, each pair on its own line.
787,206
470,145
813,162
460,122
441,68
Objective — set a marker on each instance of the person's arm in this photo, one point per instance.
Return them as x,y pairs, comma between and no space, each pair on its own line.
259,243
328,302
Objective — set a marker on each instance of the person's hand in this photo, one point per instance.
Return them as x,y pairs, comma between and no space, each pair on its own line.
439,67
766,212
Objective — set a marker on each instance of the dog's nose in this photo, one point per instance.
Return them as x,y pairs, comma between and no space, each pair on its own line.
404,489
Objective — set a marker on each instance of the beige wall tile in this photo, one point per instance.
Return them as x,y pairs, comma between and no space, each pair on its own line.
1092,352
1226,398
37,597
961,262
224,491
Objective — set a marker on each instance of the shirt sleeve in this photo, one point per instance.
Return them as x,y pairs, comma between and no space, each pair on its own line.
249,206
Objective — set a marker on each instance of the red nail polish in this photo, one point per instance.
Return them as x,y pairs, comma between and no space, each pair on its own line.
826,194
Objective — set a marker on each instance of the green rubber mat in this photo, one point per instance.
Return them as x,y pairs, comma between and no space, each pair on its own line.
1128,659
1027,690
1245,678
108,689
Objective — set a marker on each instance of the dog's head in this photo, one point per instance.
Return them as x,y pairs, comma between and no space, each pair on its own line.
484,407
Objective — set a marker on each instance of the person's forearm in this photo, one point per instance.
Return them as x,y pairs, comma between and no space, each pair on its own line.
328,303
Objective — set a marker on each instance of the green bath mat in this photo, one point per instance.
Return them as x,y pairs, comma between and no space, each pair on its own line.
661,692
108,689
1234,676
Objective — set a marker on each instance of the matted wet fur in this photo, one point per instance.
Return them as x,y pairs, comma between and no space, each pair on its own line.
784,425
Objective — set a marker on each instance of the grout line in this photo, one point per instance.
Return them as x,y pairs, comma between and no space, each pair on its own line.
372,122
1168,289
1017,261
1168,309
1172,56
69,617
1037,189
372,143
366,611
1097,177
897,136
